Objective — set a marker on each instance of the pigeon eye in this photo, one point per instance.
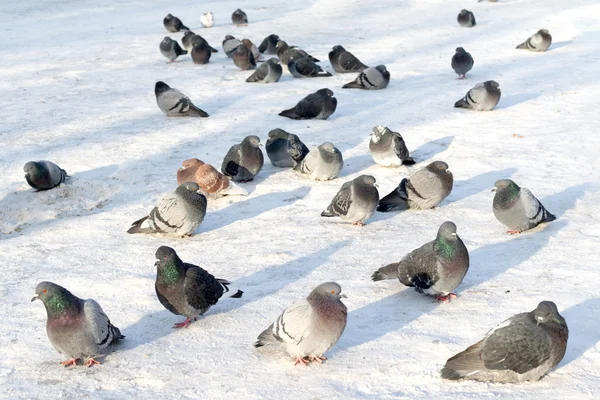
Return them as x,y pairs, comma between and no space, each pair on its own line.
333,292
165,257
45,291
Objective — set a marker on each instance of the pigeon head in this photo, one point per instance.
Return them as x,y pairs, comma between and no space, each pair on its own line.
165,254
168,265
273,38
448,231
278,133
543,31
383,70
33,169
160,87
329,290
463,11
460,50
379,131
238,11
327,146
229,37
438,166
247,43
493,85
546,312
326,92
167,39
273,60
188,33
169,16
281,46
191,163
190,186
56,298
367,180
241,49
503,184
338,48
252,140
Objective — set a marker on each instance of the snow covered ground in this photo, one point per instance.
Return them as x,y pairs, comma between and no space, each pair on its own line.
77,79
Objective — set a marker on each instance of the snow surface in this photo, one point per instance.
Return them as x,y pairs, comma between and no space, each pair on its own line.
77,80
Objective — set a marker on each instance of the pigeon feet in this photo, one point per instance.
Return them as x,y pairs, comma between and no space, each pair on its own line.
183,324
301,360
317,359
68,363
358,223
90,362
513,232
462,77
447,298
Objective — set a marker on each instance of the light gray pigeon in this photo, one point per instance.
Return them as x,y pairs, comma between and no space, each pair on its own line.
287,53
77,328
284,149
201,53
239,17
388,148
436,268
170,49
517,207
525,347
343,61
370,79
538,42
173,24
355,202
466,19
191,40
269,44
482,97
310,327
305,68
230,44
423,190
186,289
269,72
322,163
44,175
207,19
243,161
243,58
318,105
174,103
178,213
462,62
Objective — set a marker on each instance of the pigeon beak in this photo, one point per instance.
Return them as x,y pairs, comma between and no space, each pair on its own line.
156,263
453,233
34,298
376,185
260,144
494,189
342,295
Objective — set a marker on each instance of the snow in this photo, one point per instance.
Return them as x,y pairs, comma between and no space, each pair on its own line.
77,79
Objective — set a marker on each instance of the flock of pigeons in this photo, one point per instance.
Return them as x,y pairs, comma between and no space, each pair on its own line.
524,347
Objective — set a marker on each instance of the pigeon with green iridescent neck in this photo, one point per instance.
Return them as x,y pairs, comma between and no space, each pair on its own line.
77,328
436,268
44,175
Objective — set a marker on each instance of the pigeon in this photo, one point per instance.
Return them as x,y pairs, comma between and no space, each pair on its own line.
285,150
201,53
244,161
269,44
370,79
318,105
243,58
322,163
525,347
466,19
77,328
343,61
190,40
230,44
44,175
178,213
252,47
482,97
186,289
239,17
517,207
538,42
355,202
309,327
388,148
174,103
423,190
288,53
213,183
462,62
435,269
174,24
305,68
268,72
171,49
207,19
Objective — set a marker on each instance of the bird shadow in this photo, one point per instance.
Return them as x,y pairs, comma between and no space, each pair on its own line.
147,329
357,163
432,148
515,99
558,45
584,334
564,200
467,188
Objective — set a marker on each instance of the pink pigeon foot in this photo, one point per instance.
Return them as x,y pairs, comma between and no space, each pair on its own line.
301,360
183,324
446,298
317,359
90,362
70,362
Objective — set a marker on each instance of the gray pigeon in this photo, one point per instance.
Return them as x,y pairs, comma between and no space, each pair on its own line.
466,19
252,47
343,61
538,42
305,68
525,347
239,17
436,268
174,103
285,150
207,19
288,53
482,97
269,44
355,202
191,40
174,24
76,328
318,105
230,44
243,161
170,49
186,289
423,190
309,327
517,207
201,53
370,79
44,175
462,62
322,163
243,58
388,148
178,213
269,72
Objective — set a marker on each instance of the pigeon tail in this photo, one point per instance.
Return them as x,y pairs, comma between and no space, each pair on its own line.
464,363
548,216
291,113
213,50
265,337
116,334
184,28
396,200
408,161
230,292
522,46
387,272
140,226
328,213
196,112
323,74
352,85
462,103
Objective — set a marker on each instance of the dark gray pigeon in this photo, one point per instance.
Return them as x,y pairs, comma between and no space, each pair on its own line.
462,62
191,40
423,190
269,44
170,49
252,47
388,148
525,347
269,72
318,105
355,202
466,19
435,269
186,289
288,53
201,53
77,328
243,58
343,61
305,68
370,79
174,103
517,207
482,97
178,213
284,149
173,24
538,42
44,175
243,161
322,163
310,327
239,17
230,44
